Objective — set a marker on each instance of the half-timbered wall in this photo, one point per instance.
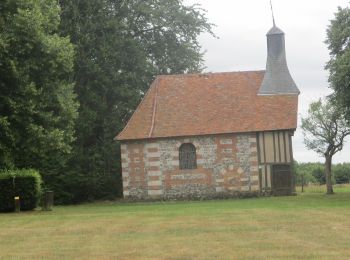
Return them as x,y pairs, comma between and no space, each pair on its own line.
274,148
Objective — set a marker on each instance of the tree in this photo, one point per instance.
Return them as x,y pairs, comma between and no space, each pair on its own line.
342,173
325,129
121,46
318,173
37,102
304,174
338,41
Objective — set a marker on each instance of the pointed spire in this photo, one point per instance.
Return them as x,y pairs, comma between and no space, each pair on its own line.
273,17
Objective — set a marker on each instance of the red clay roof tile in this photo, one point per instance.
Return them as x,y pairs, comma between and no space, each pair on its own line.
212,103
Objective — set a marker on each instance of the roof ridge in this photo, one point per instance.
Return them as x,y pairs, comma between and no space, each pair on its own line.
208,73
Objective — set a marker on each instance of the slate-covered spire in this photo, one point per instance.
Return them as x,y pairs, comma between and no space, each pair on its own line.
277,79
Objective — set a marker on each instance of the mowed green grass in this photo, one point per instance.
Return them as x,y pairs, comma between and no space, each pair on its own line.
312,225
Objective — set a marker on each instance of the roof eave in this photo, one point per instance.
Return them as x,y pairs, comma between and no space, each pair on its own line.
209,134
279,94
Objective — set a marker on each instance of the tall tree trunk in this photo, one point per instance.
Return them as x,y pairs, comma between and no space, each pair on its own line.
328,171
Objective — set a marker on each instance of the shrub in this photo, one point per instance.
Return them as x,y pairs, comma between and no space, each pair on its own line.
318,173
25,183
303,173
341,173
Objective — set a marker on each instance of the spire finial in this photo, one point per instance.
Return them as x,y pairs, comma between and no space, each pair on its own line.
273,17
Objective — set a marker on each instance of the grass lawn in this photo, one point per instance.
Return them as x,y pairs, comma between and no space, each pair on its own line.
310,225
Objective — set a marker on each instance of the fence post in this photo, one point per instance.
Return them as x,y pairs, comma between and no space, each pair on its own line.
17,204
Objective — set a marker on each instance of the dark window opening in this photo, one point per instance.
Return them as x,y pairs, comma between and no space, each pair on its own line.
187,156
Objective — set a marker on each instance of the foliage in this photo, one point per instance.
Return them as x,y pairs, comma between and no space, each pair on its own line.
23,183
338,41
319,174
311,172
37,102
325,129
314,173
304,173
342,173
120,47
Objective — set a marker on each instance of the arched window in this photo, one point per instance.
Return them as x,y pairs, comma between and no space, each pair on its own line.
187,156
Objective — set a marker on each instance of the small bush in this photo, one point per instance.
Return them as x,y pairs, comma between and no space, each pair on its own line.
24,183
341,173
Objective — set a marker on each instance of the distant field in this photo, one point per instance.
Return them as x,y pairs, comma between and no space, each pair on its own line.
311,225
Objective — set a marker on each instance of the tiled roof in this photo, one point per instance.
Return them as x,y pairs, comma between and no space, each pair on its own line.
212,103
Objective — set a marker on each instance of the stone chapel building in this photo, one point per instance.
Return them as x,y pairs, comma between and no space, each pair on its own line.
214,135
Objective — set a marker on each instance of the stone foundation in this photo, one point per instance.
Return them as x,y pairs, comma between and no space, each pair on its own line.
227,166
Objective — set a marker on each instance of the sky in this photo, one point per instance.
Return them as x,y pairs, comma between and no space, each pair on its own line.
241,26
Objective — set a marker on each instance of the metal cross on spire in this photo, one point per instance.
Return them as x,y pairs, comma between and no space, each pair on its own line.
273,17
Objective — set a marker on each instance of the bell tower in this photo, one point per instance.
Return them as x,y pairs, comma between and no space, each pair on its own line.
277,79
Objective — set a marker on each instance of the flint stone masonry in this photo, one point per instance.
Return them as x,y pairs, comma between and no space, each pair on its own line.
226,166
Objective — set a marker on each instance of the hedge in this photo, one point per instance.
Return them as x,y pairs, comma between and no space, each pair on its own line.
25,183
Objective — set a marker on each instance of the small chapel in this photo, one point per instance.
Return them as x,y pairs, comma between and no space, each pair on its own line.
214,135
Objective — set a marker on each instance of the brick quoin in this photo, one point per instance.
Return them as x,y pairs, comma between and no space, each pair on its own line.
152,150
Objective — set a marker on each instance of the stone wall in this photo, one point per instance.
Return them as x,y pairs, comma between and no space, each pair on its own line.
227,165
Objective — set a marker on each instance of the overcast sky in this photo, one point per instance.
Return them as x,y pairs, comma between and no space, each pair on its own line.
241,26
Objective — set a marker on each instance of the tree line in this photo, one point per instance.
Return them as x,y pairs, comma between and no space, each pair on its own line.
72,73
314,173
